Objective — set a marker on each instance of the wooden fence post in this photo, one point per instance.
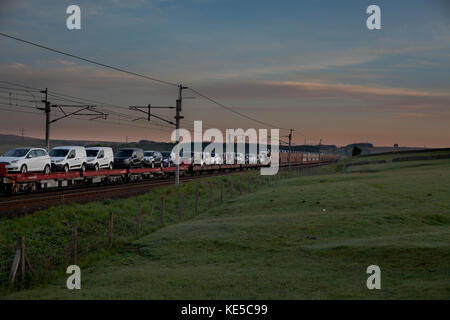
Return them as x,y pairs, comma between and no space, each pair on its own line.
74,244
16,261
162,210
22,257
181,205
210,194
240,185
139,219
111,228
196,201
231,189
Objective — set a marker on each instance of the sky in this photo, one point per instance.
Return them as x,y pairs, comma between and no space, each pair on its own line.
309,65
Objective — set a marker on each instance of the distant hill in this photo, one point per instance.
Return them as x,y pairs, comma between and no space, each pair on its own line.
9,141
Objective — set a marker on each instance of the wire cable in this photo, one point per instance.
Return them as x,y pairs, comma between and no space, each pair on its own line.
88,60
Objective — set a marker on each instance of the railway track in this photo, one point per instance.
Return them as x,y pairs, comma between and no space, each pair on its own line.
23,204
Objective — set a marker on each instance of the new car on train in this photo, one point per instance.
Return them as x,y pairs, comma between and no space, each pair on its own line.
129,158
68,158
100,158
152,159
25,160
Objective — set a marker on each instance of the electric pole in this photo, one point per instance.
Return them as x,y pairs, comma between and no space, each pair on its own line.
178,117
47,110
290,144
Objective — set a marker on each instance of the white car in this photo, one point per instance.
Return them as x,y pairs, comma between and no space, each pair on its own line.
25,160
100,158
230,157
198,158
218,158
69,158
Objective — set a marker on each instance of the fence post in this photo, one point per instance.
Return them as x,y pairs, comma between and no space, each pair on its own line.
210,194
74,244
231,189
16,261
181,205
196,201
139,218
240,185
162,210
22,257
111,227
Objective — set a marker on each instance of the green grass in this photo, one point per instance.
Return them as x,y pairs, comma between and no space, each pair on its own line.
48,233
279,243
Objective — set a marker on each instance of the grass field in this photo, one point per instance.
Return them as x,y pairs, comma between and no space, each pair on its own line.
298,238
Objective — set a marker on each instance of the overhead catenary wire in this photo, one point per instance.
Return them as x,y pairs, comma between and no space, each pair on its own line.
74,99
88,60
142,76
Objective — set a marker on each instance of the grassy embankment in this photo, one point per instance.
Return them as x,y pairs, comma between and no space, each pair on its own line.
298,238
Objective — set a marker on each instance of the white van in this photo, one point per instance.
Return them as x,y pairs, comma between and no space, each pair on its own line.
68,158
99,158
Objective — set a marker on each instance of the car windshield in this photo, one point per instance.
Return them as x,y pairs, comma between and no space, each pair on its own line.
149,153
17,153
58,152
124,153
91,153
166,154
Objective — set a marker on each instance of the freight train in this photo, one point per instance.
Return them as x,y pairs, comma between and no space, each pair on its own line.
12,183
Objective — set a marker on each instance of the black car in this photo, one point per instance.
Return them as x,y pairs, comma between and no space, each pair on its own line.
129,158
167,159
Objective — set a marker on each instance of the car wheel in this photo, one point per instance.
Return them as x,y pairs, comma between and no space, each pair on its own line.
47,169
66,168
23,169
96,167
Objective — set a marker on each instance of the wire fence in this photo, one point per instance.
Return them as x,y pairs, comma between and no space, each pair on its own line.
37,255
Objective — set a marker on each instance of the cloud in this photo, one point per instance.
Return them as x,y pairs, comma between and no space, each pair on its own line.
317,90
66,63
308,90
14,66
